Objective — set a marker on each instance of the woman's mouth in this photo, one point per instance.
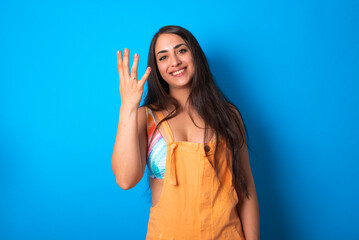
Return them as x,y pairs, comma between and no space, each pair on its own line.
178,73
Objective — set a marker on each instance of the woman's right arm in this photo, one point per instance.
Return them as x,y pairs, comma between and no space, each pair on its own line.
129,153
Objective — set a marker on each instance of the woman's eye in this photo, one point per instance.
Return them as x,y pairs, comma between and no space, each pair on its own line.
162,58
182,50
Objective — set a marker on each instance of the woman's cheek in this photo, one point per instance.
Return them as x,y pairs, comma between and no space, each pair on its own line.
163,73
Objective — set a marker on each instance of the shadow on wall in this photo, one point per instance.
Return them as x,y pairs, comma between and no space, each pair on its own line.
274,218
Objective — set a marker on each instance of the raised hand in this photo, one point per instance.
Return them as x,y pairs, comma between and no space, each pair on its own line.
131,89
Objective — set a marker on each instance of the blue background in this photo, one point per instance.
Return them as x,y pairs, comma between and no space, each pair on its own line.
291,67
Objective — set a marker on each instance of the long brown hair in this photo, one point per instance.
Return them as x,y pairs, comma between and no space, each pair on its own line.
206,98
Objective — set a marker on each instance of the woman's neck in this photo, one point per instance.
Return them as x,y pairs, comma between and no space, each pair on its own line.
181,95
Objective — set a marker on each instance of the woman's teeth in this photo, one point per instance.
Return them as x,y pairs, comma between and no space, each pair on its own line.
178,72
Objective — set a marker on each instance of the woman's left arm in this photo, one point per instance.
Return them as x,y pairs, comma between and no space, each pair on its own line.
248,209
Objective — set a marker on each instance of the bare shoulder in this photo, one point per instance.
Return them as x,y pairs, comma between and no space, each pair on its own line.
142,134
238,121
236,113
142,117
142,111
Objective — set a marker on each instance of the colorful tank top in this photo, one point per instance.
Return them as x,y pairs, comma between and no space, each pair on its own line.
157,149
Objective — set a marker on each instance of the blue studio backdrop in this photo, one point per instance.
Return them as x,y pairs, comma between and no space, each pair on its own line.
291,67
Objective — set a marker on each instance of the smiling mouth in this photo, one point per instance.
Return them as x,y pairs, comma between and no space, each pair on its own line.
178,72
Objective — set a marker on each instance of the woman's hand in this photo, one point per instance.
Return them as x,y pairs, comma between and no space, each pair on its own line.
129,153
131,89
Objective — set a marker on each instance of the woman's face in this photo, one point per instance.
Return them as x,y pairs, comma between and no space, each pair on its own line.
174,60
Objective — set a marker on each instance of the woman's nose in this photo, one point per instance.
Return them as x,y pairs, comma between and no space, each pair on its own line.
175,60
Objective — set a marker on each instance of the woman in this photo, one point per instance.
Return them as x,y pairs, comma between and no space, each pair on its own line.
191,138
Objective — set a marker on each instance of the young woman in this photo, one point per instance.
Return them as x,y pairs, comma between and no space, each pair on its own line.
191,138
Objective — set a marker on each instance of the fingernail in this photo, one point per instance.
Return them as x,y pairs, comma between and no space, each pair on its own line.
126,50
136,55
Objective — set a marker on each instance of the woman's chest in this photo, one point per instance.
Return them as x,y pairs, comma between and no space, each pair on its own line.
189,128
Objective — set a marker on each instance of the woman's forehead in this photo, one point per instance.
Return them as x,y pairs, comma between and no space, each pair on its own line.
168,41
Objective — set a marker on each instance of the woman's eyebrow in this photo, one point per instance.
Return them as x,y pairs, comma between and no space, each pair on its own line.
177,46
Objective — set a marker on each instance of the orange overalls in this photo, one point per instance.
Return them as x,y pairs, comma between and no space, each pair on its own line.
192,205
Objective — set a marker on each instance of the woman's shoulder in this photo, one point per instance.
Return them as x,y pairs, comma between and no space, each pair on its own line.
147,107
145,114
142,113
235,111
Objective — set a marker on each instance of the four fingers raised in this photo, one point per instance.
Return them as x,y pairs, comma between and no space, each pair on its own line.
124,70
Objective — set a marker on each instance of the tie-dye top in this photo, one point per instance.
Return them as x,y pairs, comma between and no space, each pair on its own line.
157,148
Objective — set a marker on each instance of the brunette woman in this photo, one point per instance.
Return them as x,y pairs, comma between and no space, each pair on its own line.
191,138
